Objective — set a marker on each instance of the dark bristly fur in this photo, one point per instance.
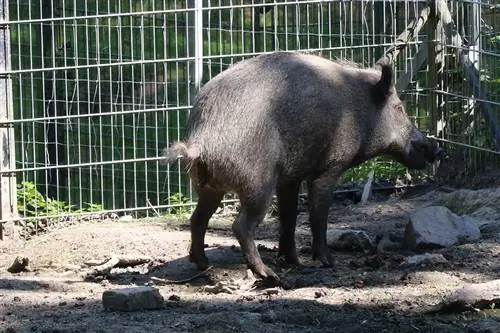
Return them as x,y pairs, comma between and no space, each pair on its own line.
272,121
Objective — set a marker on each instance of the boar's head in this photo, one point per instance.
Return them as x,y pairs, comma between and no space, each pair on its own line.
393,131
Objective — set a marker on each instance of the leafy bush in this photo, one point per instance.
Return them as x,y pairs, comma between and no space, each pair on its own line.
178,200
384,169
30,202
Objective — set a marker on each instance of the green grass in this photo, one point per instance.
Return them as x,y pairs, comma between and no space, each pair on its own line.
383,167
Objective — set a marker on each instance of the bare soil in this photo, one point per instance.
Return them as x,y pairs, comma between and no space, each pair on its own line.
364,292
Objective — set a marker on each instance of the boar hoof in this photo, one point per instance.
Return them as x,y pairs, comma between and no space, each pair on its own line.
326,259
201,261
269,278
288,259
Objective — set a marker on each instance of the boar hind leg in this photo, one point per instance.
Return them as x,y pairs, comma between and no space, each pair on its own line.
287,194
254,205
320,198
208,201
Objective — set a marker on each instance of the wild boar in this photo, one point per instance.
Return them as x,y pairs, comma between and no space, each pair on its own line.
270,122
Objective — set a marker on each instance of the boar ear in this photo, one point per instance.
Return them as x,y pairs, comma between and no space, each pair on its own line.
384,87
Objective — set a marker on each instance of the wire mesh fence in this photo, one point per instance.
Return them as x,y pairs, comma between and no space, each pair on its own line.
469,109
99,88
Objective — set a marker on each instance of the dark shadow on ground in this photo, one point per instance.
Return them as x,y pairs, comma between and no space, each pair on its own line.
27,284
243,315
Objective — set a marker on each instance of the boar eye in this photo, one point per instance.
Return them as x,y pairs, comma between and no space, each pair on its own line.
400,107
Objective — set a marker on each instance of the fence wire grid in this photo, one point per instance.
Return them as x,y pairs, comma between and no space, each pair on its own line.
96,89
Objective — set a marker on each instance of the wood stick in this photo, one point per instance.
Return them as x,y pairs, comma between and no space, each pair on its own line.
406,36
123,261
166,281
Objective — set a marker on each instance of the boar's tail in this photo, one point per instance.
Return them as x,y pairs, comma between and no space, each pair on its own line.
182,151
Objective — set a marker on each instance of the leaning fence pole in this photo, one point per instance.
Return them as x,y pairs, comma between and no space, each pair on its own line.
406,36
8,204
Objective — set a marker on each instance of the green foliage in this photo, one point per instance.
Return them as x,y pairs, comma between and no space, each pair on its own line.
495,40
178,202
384,169
90,207
30,202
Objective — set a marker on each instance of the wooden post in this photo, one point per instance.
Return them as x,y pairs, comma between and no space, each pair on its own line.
8,202
432,76
413,66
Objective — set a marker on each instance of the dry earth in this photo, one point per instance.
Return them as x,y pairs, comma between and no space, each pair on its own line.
363,293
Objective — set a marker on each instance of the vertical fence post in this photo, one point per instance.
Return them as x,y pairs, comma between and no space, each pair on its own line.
195,37
8,204
195,51
474,25
432,74
474,17
379,8
258,27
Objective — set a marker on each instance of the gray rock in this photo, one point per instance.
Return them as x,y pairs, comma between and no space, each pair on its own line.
486,325
480,295
126,218
424,259
436,226
481,204
389,243
20,264
132,299
349,240
9,230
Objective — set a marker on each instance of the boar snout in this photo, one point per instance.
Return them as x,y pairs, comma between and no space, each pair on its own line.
420,151
429,149
423,150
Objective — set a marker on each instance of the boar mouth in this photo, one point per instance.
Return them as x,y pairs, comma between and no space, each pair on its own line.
429,149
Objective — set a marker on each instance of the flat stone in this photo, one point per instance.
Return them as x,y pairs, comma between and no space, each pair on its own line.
480,295
424,259
436,227
132,299
126,218
349,240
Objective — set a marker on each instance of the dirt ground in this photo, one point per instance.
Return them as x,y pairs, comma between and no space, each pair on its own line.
364,292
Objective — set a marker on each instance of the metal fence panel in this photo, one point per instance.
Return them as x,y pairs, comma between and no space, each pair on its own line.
99,88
